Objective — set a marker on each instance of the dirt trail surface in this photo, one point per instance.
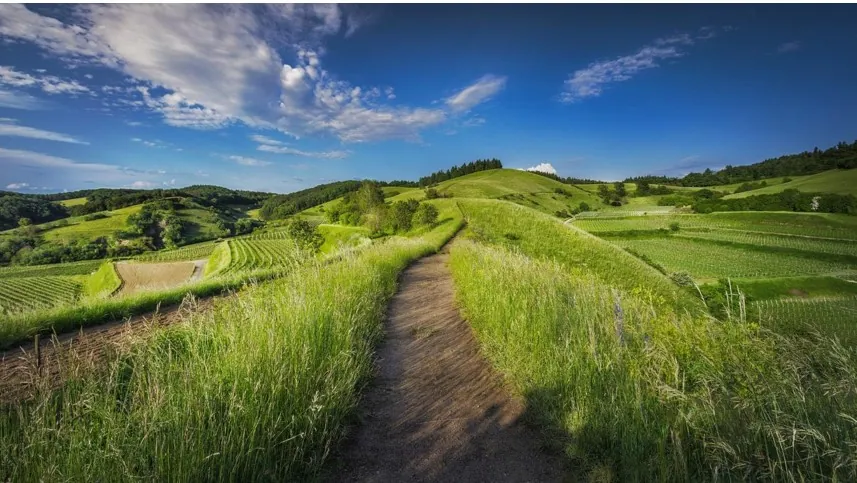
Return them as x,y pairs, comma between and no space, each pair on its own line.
21,375
436,410
138,277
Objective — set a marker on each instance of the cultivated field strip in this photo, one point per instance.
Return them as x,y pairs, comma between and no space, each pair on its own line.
30,293
58,269
254,254
831,315
192,252
706,261
834,247
761,222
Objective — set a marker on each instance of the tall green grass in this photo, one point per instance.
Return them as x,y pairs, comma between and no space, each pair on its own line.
258,388
633,390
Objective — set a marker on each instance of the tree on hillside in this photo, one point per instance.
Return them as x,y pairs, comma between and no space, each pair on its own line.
305,235
426,215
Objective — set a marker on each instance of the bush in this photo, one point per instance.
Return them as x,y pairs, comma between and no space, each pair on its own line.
95,216
674,226
426,215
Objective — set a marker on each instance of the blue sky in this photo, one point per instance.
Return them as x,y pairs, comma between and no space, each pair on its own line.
281,98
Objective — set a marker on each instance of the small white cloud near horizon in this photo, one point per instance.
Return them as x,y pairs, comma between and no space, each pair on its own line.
542,168
245,161
787,47
9,127
482,90
142,184
17,186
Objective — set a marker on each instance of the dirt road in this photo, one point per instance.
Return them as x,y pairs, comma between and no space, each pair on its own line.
436,411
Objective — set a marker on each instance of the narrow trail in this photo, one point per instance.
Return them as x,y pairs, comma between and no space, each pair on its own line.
436,411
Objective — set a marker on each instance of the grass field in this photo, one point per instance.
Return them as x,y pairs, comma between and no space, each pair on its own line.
268,381
336,236
833,247
630,388
842,181
833,315
79,228
73,202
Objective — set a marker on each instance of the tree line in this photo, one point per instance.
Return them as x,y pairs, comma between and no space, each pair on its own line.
458,171
841,156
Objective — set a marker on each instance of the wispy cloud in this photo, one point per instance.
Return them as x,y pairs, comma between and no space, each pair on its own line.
297,152
787,47
17,186
476,93
47,83
156,143
9,128
592,80
20,100
34,159
245,161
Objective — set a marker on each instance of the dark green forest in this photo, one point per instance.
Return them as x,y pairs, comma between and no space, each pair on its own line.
841,156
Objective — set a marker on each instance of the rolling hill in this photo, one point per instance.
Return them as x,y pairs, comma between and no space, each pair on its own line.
840,181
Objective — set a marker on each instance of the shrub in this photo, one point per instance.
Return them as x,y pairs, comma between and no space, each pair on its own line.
305,235
426,215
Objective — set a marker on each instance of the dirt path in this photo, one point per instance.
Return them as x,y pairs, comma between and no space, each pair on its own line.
21,375
436,410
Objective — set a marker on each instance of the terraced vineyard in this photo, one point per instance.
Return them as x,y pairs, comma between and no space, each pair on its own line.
58,269
251,254
801,224
192,252
30,293
707,261
818,245
835,315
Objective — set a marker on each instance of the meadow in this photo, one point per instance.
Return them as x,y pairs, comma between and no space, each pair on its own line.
264,381
633,387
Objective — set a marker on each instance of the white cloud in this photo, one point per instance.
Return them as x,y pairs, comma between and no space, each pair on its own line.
249,161
477,93
224,66
266,140
17,186
48,83
542,168
789,47
20,100
9,129
34,159
297,152
590,82
134,123
157,143
142,185
473,122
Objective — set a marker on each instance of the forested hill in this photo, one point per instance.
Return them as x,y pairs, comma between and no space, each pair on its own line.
841,156
456,171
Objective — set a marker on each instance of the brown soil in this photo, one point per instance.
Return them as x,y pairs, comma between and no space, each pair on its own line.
797,292
436,411
139,277
70,354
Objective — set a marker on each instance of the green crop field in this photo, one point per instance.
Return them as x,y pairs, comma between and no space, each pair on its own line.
804,243
842,181
707,261
197,251
24,294
336,236
79,228
247,255
73,268
833,315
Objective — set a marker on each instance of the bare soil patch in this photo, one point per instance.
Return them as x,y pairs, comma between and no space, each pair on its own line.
436,410
139,277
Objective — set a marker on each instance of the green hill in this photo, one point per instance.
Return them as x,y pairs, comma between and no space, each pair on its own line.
521,187
840,181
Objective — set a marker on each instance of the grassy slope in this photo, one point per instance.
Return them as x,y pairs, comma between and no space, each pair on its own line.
266,382
73,202
79,228
103,282
834,181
